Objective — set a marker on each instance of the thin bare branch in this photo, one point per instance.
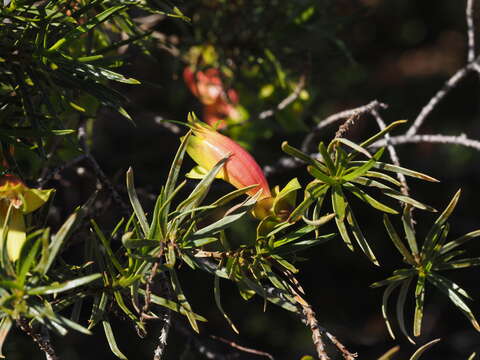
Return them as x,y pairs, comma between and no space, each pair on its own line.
427,109
242,348
356,112
462,140
470,31
41,339
285,102
347,355
391,151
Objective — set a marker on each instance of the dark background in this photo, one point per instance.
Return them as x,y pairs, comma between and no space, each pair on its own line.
399,52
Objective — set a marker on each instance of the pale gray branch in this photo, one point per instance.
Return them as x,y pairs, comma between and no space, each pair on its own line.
391,151
470,31
427,109
461,139
373,105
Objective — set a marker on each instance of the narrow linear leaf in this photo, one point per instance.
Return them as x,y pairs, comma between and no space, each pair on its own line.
362,195
107,327
397,241
416,355
386,130
459,241
216,288
358,234
402,297
386,295
67,285
137,207
419,302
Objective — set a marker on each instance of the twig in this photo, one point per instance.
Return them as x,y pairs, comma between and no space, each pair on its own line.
101,177
347,355
43,180
373,105
242,348
392,152
427,109
472,65
470,31
285,102
43,341
162,338
199,345
316,332
436,138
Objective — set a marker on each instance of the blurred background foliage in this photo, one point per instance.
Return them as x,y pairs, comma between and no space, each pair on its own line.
346,53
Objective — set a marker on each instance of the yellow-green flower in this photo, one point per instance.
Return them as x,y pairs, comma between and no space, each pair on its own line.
21,200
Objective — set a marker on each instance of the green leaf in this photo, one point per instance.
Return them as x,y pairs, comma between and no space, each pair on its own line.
382,176
407,200
401,308
137,207
90,24
409,230
326,158
361,170
172,179
172,305
458,264
238,212
380,134
202,188
386,295
419,302
5,326
67,285
352,145
400,170
64,233
389,354
398,275
459,241
219,303
177,289
362,195
434,233
358,234
397,241
320,175
339,203
416,355
320,221
111,340
453,291
275,296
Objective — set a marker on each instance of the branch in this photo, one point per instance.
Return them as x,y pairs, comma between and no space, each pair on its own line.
470,31
242,348
472,65
427,109
356,112
285,102
101,177
461,139
42,340
392,152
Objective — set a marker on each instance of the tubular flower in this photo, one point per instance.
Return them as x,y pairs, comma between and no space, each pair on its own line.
207,147
219,104
21,200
